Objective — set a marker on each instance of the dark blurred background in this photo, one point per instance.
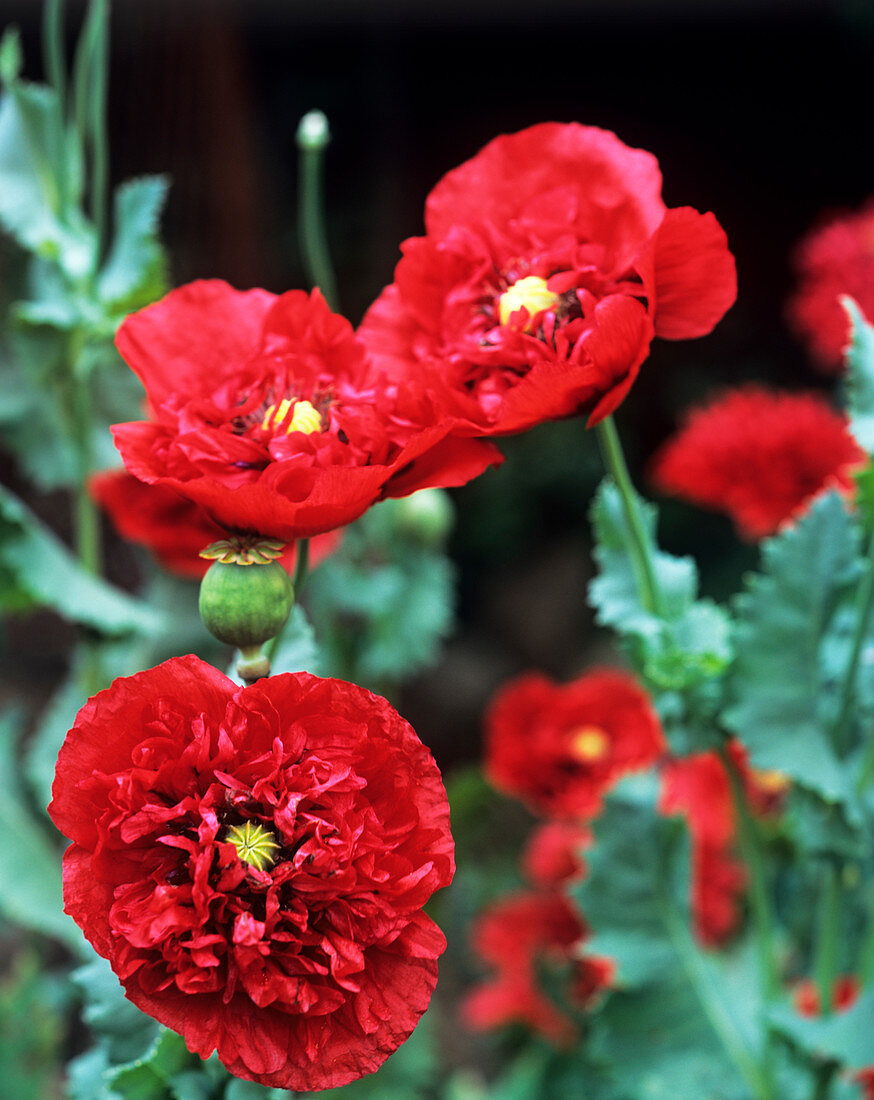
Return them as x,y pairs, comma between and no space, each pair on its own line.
759,111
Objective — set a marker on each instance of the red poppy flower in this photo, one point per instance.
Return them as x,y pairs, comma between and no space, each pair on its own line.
553,854
253,862
698,787
759,456
561,747
266,413
174,528
835,258
517,935
549,264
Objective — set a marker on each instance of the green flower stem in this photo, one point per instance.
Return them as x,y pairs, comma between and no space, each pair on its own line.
639,543
313,138
759,1078
56,75
827,947
864,606
866,956
301,566
53,49
763,917
98,122
86,517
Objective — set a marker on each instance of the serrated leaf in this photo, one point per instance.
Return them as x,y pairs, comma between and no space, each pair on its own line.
615,592
860,376
700,648
135,261
37,162
30,866
782,707
46,571
683,643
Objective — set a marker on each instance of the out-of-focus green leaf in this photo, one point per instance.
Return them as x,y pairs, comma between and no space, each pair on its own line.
46,571
30,866
31,1027
147,1077
382,603
41,751
298,650
638,878
845,1037
128,1032
672,1012
782,707
820,826
860,376
133,274
37,158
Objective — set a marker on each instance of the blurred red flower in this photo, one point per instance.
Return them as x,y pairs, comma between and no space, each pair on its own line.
515,936
835,258
548,265
253,862
553,854
172,527
561,747
698,787
758,455
266,412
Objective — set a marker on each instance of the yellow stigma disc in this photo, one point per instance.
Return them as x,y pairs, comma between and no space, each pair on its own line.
589,744
255,844
305,417
530,292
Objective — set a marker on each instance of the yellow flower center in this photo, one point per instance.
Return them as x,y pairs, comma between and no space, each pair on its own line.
771,781
530,292
589,744
255,844
305,417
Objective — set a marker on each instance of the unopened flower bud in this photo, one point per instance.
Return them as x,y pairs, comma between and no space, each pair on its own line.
427,516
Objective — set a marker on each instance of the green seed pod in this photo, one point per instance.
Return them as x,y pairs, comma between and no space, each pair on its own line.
245,605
